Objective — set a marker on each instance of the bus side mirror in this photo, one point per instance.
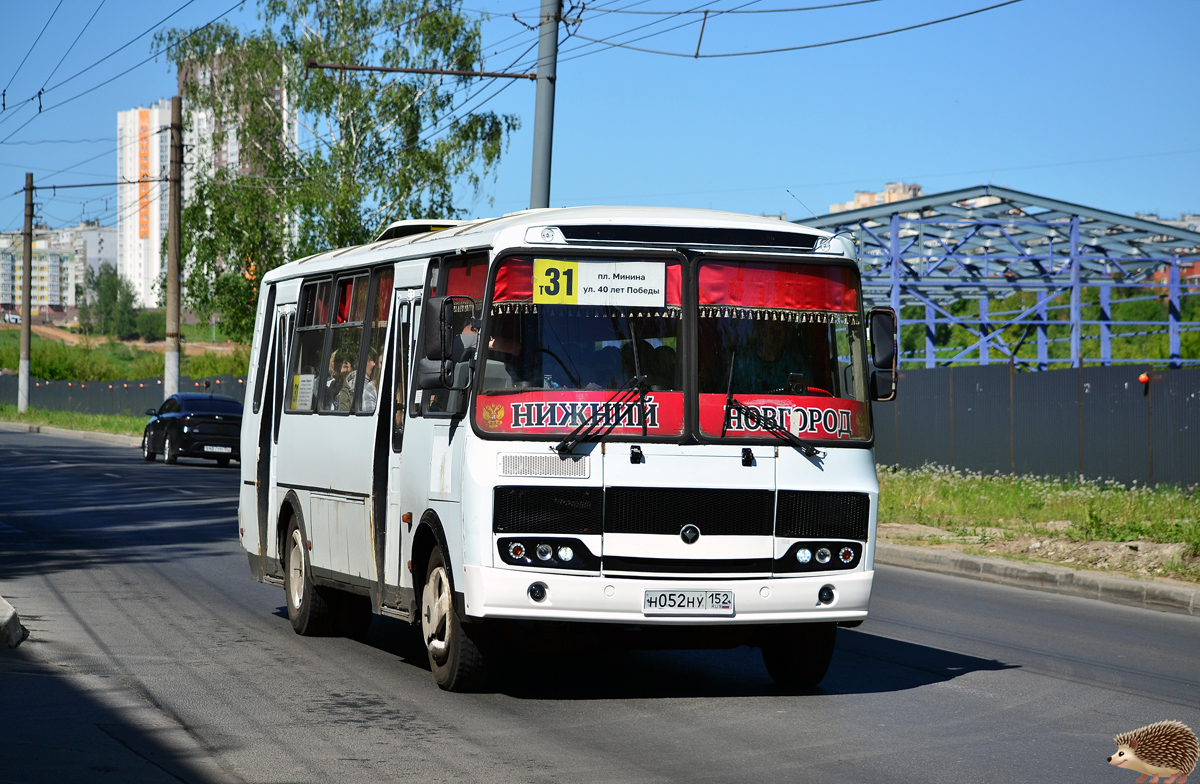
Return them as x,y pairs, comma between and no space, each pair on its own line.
884,354
436,368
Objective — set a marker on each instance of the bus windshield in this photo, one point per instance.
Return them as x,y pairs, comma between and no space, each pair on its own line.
565,339
786,340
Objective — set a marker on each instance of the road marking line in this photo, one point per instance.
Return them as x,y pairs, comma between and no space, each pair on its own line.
114,476
181,490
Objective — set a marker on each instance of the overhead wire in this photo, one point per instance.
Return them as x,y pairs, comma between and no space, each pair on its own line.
697,55
32,46
70,48
752,11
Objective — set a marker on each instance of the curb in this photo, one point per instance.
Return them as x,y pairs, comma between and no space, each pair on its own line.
1052,579
108,438
10,624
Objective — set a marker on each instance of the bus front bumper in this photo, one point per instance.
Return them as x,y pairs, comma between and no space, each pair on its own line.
504,593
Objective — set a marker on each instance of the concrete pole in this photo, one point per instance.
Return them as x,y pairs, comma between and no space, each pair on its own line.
174,212
26,296
543,119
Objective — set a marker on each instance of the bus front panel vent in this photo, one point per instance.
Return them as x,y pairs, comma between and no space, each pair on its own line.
549,465
666,510
815,515
547,510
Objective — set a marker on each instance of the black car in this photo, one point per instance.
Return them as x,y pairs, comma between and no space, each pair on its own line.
206,426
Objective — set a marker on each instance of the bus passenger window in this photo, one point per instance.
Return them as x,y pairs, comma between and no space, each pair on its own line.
350,308
380,307
308,347
463,278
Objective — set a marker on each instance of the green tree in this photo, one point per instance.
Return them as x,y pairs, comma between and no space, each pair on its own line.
109,299
376,147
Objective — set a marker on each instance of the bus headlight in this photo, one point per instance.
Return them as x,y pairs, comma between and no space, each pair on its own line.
565,553
545,552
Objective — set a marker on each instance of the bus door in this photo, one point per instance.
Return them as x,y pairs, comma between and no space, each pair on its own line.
398,532
268,460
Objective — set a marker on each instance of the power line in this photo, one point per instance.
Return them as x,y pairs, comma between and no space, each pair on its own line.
4,93
805,46
72,46
67,141
720,12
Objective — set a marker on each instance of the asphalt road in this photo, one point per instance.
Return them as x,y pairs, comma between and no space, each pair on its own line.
155,658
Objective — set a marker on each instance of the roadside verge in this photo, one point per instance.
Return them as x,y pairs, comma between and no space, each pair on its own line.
11,630
1052,579
108,438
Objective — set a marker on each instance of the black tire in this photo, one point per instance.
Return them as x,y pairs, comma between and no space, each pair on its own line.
798,656
354,615
223,462
170,452
455,656
307,606
147,454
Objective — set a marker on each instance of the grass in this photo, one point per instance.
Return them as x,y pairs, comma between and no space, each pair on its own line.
73,420
98,359
961,502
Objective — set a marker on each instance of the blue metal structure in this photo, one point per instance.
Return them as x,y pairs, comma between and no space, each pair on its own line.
986,243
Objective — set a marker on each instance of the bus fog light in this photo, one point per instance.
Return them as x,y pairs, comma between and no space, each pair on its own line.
537,592
804,555
516,550
565,553
823,555
826,594
544,552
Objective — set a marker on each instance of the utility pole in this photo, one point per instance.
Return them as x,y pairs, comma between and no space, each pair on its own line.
26,296
174,219
543,118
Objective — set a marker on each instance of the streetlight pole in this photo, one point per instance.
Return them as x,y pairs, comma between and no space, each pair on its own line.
543,119
174,214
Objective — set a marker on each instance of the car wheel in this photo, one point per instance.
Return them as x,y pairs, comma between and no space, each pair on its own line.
798,656
223,462
307,607
170,451
455,656
147,454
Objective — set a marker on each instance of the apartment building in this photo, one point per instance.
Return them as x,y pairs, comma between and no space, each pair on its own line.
55,274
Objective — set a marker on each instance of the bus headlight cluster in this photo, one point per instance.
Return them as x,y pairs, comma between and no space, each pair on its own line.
547,552
820,556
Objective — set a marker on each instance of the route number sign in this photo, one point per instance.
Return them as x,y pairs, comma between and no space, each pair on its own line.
638,283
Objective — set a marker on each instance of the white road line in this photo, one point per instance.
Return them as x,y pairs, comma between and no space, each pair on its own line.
114,476
181,490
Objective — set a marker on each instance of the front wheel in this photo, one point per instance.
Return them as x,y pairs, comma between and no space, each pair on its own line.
147,453
170,451
797,657
454,653
307,608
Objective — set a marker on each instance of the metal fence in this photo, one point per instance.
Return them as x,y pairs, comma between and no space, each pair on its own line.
1095,422
113,397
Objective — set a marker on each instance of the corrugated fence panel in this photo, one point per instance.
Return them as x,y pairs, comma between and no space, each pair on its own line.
130,398
886,445
1046,423
1115,413
981,419
1175,412
924,428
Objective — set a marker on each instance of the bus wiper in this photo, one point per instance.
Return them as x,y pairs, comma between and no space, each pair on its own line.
754,417
588,429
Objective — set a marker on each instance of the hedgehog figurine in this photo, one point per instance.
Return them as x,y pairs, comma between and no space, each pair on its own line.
1168,749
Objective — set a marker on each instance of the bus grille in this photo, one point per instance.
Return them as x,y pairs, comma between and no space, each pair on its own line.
547,510
813,515
659,510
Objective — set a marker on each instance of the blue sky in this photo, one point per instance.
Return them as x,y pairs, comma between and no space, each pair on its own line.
1095,103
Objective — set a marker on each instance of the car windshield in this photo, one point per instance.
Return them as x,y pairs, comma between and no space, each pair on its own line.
565,338
211,405
786,340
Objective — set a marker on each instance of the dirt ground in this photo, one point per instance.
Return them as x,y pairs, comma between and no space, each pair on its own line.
1140,559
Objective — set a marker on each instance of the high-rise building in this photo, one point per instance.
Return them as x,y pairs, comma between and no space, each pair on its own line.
143,158
55,274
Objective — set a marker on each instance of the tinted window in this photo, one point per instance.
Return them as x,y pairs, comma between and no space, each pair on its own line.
212,406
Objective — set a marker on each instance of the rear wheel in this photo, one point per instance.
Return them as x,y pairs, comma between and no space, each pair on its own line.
170,451
798,656
453,647
307,607
147,454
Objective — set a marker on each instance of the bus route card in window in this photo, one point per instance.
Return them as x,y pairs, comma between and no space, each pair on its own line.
688,603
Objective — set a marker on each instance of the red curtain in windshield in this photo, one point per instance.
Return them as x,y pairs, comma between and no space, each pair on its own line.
466,278
778,286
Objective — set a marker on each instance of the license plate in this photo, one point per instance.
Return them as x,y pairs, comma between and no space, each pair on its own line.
688,603
222,449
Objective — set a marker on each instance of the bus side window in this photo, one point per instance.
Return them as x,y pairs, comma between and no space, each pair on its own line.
346,338
368,392
400,374
464,277
308,347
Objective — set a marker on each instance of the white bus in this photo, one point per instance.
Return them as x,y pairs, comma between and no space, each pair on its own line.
639,423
